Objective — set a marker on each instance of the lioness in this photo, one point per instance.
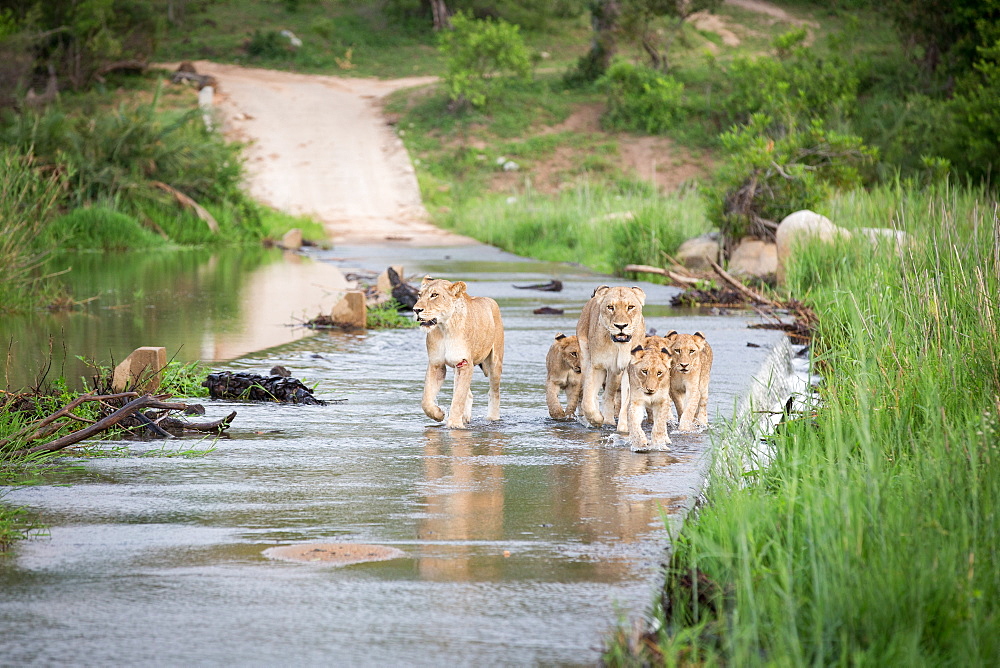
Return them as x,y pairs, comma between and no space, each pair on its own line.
649,391
689,376
562,366
462,332
608,324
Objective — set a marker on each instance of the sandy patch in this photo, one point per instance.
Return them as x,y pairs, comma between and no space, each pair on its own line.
337,554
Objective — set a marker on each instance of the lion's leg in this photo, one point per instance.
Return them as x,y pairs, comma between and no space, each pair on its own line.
686,421
573,393
635,434
556,411
612,386
461,400
659,440
493,368
702,416
592,381
626,391
432,385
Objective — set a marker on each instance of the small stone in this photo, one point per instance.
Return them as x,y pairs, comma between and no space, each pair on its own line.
292,239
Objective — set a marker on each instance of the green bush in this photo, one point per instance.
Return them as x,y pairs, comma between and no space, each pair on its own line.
772,171
641,99
798,86
267,45
124,156
480,56
98,228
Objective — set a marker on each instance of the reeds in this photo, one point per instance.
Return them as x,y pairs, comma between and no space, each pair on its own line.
873,536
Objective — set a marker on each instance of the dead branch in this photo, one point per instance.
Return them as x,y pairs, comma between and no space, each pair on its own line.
672,275
739,286
214,427
201,211
39,427
137,404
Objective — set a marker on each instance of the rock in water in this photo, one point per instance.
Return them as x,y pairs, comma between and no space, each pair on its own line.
402,292
246,386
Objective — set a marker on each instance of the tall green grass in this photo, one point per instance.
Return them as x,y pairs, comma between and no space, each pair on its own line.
27,202
598,226
873,537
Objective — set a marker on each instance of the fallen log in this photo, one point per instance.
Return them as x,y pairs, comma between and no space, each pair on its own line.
672,275
137,404
175,425
46,426
751,294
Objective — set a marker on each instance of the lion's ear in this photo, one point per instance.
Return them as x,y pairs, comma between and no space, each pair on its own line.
640,294
457,289
637,349
671,334
700,335
560,336
664,351
427,279
599,291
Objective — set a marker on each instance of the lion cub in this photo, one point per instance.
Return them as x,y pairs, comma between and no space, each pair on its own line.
649,391
562,366
462,332
692,367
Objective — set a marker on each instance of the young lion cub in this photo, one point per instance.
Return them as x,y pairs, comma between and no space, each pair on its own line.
562,365
692,367
462,332
649,390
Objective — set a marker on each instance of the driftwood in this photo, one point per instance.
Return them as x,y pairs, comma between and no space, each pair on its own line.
751,294
184,200
129,409
555,285
48,424
176,426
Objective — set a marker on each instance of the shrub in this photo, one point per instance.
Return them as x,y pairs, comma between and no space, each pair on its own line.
772,171
800,85
641,99
480,55
656,231
98,228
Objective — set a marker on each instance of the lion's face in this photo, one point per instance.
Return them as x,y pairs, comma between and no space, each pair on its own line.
569,351
620,312
436,300
686,351
649,371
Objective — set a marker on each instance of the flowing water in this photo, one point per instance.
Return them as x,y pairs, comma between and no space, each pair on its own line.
525,540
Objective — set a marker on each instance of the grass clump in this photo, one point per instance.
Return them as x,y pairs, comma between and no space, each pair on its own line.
387,316
870,535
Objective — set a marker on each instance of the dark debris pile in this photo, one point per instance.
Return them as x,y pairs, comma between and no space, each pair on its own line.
246,386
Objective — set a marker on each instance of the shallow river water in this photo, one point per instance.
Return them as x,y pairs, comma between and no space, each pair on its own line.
525,540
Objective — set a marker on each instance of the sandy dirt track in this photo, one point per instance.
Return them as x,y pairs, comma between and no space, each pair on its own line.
319,145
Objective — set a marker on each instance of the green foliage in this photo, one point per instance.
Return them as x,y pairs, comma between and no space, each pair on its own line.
654,232
387,316
480,56
267,44
97,228
978,115
27,202
772,171
799,85
641,99
184,379
121,157
861,538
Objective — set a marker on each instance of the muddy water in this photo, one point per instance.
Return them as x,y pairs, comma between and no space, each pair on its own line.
524,540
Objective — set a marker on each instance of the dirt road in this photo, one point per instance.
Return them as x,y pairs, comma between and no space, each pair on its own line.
318,145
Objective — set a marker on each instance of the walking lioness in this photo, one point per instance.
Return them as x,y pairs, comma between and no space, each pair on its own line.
649,391
610,321
462,332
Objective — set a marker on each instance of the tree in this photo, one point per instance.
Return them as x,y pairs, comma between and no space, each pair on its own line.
639,20
946,33
604,15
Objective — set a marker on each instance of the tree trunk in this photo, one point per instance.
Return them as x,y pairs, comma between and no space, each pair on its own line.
440,12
